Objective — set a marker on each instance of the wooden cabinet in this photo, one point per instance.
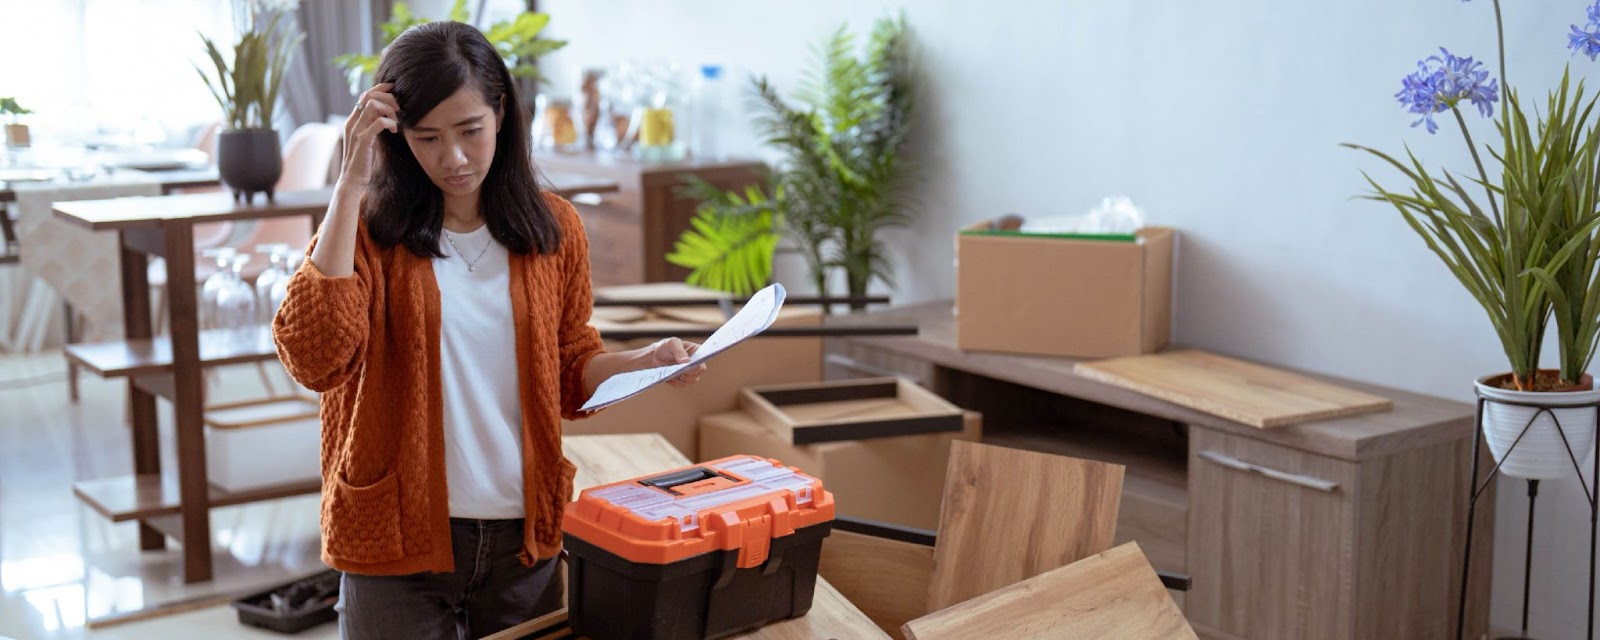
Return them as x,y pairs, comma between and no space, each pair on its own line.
1350,528
632,230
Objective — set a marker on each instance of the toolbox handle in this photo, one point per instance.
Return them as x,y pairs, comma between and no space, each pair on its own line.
672,479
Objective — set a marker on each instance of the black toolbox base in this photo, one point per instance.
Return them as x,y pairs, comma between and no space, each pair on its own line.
706,596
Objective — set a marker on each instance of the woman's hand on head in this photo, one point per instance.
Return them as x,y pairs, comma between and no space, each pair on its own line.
376,110
673,351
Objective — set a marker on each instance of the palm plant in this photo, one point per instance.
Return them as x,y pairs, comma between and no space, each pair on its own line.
517,40
844,176
247,90
732,240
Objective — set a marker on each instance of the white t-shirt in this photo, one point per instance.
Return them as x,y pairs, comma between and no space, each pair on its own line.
478,367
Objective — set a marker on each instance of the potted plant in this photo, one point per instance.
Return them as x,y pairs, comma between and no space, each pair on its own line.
1523,243
248,156
844,175
16,132
517,40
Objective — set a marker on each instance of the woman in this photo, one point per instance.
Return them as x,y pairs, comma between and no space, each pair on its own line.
444,312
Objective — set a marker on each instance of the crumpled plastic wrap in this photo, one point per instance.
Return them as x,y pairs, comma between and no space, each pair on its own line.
1115,215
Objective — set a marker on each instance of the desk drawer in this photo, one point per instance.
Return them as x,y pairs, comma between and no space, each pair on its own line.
1271,539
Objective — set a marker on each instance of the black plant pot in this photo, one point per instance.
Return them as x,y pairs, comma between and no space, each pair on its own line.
249,162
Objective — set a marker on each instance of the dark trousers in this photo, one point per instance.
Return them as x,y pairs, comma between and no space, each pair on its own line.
489,591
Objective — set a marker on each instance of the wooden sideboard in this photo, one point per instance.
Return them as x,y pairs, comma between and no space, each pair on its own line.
633,229
1280,555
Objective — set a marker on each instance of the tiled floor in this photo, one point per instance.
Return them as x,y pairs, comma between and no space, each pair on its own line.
63,567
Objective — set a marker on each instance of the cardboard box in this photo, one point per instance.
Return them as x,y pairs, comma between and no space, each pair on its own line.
674,412
1053,295
899,480
813,412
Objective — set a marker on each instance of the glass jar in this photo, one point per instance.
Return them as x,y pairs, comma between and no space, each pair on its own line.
659,116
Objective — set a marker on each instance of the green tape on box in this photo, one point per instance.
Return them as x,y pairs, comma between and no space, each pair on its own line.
1099,237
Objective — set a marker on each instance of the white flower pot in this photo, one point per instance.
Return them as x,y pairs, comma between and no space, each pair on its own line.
1540,454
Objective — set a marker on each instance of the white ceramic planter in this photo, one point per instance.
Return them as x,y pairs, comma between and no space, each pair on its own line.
1540,454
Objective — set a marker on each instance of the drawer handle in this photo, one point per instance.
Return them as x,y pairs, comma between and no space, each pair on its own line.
864,368
1292,478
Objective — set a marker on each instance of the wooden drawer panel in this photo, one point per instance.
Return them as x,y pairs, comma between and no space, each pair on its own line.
1271,539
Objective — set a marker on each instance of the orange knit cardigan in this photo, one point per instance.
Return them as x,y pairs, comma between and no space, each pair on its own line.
370,342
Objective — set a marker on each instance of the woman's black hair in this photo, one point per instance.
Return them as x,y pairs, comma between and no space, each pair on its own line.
427,64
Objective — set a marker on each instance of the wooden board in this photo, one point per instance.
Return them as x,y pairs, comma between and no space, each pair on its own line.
214,206
888,579
831,616
1009,515
1246,392
1113,595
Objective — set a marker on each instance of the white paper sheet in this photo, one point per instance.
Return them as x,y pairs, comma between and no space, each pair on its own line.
755,317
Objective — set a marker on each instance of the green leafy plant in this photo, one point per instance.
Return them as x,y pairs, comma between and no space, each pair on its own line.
247,89
517,40
844,175
1532,252
10,108
732,239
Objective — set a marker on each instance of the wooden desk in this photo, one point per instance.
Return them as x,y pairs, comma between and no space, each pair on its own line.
1378,556
614,458
170,366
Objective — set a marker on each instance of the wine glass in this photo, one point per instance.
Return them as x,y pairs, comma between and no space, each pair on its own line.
214,283
236,303
268,295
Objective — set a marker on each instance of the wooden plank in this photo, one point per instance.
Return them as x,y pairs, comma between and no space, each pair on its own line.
1416,420
837,410
130,497
567,184
154,355
604,459
888,579
1009,515
214,206
1245,392
831,616
147,496
1112,595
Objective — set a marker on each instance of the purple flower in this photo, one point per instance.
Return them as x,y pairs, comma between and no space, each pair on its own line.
1440,83
1587,40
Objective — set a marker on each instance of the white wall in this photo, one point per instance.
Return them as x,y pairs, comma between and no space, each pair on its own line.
1220,118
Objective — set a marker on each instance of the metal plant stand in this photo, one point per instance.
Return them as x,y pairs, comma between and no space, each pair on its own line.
1533,494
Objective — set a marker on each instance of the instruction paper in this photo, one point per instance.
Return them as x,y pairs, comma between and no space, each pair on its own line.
755,317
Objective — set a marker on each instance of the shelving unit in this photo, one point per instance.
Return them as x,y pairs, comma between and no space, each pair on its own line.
173,503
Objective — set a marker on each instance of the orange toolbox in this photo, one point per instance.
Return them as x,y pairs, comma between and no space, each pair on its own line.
699,552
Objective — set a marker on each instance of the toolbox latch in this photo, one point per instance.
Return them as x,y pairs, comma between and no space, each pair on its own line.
757,545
